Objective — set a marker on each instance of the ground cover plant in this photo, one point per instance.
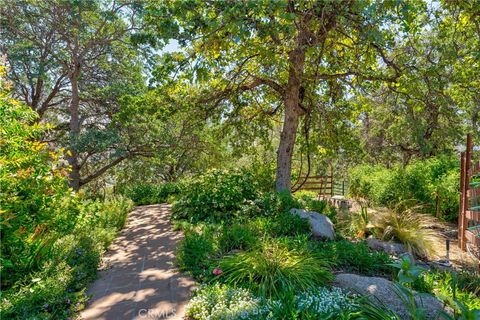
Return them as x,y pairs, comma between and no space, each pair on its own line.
355,257
226,302
462,287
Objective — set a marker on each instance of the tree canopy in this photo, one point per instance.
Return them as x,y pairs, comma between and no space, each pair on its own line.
298,85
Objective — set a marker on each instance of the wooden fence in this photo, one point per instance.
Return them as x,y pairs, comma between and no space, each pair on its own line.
469,208
325,185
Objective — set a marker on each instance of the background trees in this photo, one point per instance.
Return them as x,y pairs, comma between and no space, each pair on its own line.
71,62
288,55
301,84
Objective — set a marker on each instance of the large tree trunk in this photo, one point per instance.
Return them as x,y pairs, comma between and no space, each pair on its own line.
74,130
285,149
291,120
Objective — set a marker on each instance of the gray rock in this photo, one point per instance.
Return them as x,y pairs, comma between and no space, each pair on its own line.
383,290
388,247
320,224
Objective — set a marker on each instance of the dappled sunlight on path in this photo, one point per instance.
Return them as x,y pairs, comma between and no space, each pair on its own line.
140,280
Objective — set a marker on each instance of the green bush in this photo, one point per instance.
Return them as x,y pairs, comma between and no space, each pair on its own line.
216,196
355,257
432,183
270,204
56,290
196,253
284,224
143,194
273,268
236,237
52,240
462,286
309,201
32,192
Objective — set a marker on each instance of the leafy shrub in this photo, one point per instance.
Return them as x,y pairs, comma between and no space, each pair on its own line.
432,183
270,204
56,290
309,201
273,268
46,294
225,302
151,194
462,286
215,196
52,240
236,237
412,229
284,224
264,174
195,253
32,191
355,257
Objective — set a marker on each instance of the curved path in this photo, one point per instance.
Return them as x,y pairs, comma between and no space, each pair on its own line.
140,280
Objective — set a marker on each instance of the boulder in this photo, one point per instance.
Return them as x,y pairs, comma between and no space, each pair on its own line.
383,290
320,224
386,246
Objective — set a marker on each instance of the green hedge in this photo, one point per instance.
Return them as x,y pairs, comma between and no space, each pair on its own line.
431,183
142,194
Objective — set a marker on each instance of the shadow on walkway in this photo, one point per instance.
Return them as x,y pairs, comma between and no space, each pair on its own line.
140,280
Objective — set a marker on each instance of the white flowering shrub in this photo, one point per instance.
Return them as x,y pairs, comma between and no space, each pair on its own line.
322,301
221,302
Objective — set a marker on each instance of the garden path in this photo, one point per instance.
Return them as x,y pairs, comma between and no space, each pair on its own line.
140,280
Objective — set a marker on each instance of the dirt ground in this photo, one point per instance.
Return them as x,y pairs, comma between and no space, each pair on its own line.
458,258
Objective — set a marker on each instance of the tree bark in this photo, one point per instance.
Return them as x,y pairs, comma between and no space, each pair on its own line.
291,120
74,129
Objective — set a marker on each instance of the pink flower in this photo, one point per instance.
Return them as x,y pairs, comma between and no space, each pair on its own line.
217,271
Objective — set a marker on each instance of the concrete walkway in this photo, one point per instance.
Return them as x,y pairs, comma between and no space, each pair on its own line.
140,280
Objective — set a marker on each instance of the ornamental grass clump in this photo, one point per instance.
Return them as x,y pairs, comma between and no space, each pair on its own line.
274,268
409,227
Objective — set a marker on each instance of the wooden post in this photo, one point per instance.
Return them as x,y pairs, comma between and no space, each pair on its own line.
438,212
466,184
331,185
460,205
